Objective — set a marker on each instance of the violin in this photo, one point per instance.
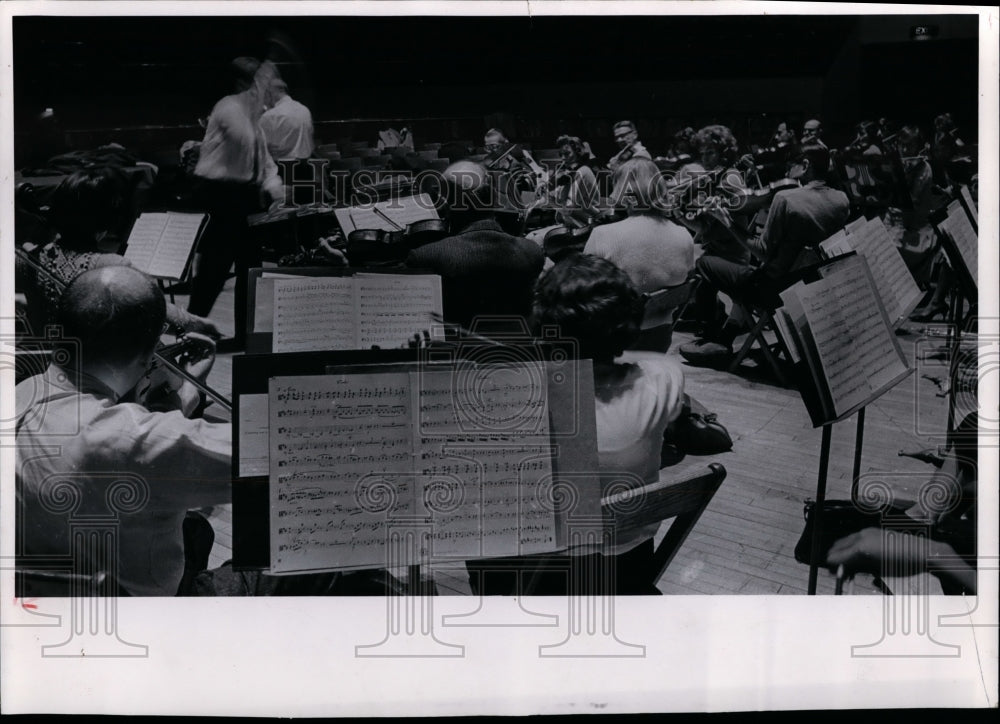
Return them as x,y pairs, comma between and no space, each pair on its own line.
753,200
381,246
161,380
624,155
563,240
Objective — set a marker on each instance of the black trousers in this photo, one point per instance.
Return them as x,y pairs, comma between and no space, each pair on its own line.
718,274
740,282
630,573
226,239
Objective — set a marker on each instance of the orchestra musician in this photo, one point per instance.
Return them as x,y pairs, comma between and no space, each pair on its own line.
287,124
866,142
717,149
576,192
812,133
629,145
649,247
112,319
510,160
949,157
637,396
655,252
484,270
798,218
782,136
917,242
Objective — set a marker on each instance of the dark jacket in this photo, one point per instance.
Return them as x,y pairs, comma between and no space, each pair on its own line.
484,271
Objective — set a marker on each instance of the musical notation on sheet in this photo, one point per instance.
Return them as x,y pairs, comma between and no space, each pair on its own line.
359,312
160,244
856,347
961,231
348,455
893,280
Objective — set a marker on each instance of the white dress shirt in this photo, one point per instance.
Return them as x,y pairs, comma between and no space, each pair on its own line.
79,432
288,128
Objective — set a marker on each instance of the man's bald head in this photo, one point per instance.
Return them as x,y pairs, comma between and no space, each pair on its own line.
115,314
468,187
811,129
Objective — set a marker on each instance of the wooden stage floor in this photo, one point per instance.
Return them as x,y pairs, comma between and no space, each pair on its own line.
743,543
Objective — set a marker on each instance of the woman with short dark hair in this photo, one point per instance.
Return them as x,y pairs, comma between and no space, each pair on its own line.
636,395
576,193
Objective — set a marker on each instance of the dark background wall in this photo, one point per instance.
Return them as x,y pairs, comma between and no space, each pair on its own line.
108,77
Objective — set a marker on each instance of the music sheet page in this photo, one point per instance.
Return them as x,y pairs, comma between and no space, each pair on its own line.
485,431
143,239
893,280
836,245
394,307
341,456
176,241
263,315
392,215
855,345
960,229
253,437
314,313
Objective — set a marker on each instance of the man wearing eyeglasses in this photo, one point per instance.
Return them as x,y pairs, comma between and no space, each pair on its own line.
812,133
629,145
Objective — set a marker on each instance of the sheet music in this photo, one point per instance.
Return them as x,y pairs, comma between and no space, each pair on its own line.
394,307
391,215
853,226
341,456
960,229
143,239
263,315
797,326
783,321
253,438
856,347
314,313
836,245
895,284
486,431
176,241
970,203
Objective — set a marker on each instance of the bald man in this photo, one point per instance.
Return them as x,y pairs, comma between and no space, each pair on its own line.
73,425
484,271
812,133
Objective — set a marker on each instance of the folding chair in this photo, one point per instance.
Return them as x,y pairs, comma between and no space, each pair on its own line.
680,316
684,501
762,321
681,501
660,314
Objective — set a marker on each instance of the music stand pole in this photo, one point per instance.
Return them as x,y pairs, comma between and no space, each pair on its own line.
859,440
824,465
